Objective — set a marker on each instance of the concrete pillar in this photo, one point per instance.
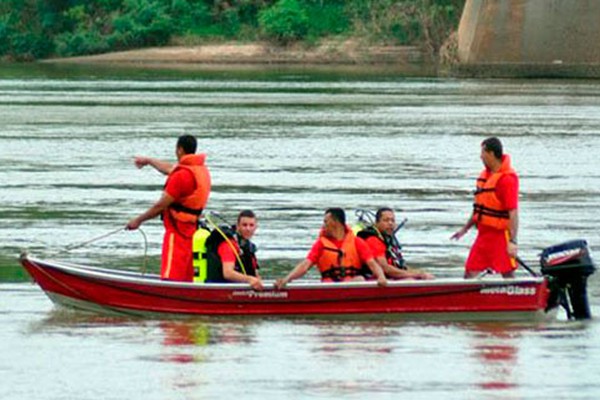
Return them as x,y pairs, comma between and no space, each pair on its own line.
547,32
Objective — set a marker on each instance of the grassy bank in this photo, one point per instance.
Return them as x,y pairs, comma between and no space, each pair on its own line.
347,57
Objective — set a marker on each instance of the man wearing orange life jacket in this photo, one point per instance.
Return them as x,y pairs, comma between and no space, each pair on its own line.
338,254
184,197
495,214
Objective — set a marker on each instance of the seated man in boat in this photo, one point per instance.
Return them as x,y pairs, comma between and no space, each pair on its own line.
386,249
338,254
232,255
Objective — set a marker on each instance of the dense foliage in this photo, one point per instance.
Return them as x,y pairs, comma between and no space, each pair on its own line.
31,29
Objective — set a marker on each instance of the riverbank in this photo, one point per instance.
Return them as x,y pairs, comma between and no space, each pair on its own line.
340,56
409,60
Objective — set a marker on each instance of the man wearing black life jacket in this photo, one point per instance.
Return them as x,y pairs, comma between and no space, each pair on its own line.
183,199
380,238
338,254
234,259
495,214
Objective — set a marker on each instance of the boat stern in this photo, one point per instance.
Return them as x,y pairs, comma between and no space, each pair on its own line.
568,266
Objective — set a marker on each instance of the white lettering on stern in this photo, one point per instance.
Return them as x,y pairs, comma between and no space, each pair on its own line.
510,290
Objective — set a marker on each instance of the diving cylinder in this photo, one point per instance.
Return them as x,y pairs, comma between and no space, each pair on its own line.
199,249
359,226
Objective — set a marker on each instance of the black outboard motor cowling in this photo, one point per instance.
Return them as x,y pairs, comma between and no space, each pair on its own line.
568,266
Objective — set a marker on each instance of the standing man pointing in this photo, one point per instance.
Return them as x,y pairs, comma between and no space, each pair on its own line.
182,202
495,214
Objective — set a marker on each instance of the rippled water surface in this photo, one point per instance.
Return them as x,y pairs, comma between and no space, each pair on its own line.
288,145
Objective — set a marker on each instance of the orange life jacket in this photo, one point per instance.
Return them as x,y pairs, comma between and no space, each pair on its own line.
487,208
190,208
338,264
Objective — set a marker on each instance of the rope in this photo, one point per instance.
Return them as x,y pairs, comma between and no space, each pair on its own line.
145,264
237,256
70,247
82,244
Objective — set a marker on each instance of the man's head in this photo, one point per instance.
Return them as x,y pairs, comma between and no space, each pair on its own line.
334,219
385,220
186,144
491,151
246,224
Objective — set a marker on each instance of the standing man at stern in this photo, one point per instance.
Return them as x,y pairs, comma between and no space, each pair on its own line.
495,214
183,199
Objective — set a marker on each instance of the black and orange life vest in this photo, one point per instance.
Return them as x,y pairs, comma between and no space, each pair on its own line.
487,208
339,263
245,252
393,249
190,208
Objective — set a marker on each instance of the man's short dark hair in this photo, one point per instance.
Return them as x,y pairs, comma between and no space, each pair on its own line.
337,214
187,143
246,214
494,145
380,212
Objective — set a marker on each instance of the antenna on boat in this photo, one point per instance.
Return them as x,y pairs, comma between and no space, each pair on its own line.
400,225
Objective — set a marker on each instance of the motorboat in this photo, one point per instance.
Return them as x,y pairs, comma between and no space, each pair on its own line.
562,283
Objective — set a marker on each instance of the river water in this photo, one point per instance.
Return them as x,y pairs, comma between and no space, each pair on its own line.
287,144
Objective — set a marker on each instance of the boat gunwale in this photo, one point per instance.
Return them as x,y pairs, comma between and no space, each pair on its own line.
139,278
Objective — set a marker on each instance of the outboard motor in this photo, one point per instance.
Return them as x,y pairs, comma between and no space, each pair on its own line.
568,266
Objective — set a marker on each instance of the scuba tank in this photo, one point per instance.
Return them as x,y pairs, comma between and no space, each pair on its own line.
365,219
199,253
359,226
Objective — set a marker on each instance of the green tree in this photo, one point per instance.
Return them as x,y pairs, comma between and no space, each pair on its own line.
31,29
190,15
141,23
438,19
286,21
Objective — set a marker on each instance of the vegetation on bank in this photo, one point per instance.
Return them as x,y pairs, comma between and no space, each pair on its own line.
34,29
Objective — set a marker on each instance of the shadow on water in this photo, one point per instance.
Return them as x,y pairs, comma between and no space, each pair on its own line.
11,270
165,71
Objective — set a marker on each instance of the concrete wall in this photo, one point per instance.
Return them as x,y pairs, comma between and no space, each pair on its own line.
548,32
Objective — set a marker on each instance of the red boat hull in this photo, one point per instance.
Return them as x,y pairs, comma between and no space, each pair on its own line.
95,289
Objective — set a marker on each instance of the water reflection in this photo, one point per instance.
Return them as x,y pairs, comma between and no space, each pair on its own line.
495,348
195,333
297,357
334,337
72,322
